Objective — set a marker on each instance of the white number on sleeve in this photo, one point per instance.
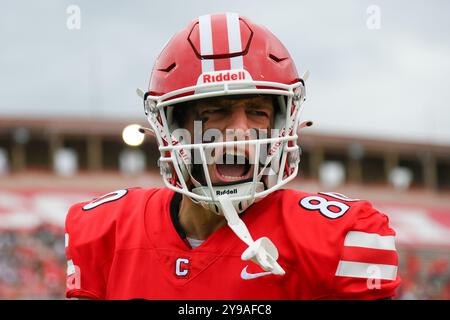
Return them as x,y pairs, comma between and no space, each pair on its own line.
115,195
324,206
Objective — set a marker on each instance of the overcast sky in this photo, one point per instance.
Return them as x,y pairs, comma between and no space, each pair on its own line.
392,82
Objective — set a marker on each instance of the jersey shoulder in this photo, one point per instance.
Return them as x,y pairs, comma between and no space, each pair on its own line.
100,213
352,242
328,206
94,230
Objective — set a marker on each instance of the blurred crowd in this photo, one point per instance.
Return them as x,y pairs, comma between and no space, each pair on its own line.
32,263
32,266
425,275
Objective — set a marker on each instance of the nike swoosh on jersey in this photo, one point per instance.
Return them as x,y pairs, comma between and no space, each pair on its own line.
247,276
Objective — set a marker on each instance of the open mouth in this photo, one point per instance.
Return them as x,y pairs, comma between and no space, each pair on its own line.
234,167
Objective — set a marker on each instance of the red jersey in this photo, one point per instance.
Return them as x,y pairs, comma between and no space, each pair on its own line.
125,246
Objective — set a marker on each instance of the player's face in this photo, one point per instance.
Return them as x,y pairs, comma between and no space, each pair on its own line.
236,119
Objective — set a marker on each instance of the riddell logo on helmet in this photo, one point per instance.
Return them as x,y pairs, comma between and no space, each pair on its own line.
219,193
223,76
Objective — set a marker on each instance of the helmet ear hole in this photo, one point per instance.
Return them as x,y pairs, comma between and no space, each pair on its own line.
179,112
169,112
279,112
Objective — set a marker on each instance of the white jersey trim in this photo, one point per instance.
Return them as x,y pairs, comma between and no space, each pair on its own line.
369,240
366,270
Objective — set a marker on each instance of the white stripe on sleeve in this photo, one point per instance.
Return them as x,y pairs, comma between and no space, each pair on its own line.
369,240
66,240
366,270
70,268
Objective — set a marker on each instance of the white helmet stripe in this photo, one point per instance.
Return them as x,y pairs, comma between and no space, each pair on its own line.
206,44
234,40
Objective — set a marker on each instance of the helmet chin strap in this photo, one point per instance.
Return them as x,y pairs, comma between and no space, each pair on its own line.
234,189
262,251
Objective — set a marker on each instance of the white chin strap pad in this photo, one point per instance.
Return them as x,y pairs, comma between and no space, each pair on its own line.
235,190
262,251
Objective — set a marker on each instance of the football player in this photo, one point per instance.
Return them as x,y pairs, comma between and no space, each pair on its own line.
224,103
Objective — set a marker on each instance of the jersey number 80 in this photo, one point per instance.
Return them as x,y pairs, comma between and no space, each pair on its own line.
329,208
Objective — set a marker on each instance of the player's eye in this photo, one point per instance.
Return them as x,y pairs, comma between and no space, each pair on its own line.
259,113
212,111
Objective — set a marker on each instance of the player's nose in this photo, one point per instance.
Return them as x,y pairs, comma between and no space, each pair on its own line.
238,119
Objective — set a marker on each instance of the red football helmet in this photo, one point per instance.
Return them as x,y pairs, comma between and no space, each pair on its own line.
218,55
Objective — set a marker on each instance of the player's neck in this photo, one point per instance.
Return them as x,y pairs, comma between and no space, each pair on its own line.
198,222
